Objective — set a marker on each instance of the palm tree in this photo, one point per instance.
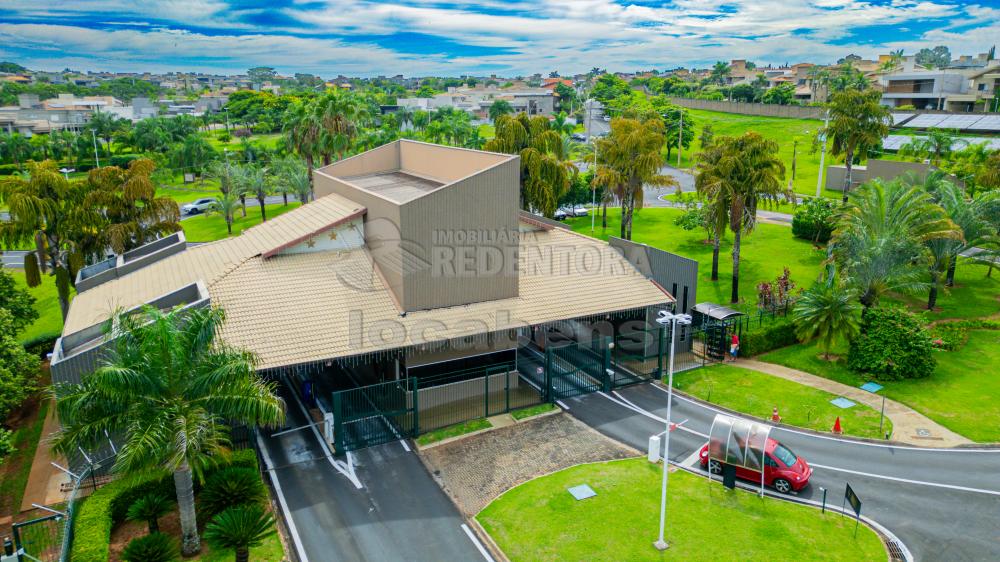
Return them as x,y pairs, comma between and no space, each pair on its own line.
560,124
881,235
168,387
630,158
227,205
293,176
938,145
239,528
339,116
545,169
720,73
858,123
742,173
127,199
708,183
500,107
16,146
253,180
827,311
150,508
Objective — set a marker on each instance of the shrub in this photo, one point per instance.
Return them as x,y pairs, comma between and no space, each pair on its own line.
893,345
97,514
155,547
242,133
814,220
953,335
6,443
231,487
780,333
42,345
149,509
240,528
123,160
225,137
8,169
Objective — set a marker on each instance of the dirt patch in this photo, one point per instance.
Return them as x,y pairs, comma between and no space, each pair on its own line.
833,358
476,470
123,533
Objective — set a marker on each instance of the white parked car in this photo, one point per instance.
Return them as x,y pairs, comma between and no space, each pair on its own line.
560,215
580,211
198,206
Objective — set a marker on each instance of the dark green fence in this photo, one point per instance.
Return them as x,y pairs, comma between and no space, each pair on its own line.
457,396
640,355
576,368
375,414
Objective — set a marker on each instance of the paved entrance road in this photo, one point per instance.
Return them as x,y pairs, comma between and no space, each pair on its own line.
942,503
400,513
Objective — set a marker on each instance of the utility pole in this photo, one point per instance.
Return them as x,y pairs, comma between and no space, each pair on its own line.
593,191
822,155
795,145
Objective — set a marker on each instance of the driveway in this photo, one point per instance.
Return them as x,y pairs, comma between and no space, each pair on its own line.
398,513
941,503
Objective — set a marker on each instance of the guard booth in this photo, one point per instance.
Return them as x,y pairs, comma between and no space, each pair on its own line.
715,323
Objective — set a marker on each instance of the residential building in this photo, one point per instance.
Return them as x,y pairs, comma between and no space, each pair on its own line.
413,276
968,84
477,101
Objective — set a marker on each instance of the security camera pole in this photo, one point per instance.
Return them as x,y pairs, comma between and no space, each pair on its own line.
673,320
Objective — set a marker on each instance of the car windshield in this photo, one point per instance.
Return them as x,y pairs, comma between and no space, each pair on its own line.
784,455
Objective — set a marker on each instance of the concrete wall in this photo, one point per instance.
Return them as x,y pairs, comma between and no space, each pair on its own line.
887,170
760,109
444,164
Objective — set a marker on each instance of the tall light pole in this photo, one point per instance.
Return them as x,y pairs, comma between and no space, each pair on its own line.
680,138
673,320
97,159
822,154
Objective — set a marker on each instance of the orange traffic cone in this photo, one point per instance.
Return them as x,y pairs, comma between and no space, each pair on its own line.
774,415
836,426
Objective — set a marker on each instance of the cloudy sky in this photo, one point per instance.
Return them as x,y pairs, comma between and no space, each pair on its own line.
507,37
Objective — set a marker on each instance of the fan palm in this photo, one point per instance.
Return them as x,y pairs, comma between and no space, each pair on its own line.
881,236
827,312
239,528
168,387
740,174
150,508
858,123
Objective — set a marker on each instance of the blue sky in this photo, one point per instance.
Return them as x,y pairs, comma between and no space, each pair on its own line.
508,37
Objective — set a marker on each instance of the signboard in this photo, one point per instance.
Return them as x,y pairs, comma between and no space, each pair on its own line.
853,499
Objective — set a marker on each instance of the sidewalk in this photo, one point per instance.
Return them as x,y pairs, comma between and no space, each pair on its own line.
909,426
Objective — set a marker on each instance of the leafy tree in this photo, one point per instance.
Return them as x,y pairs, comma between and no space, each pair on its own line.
18,302
937,57
828,312
629,158
707,136
893,345
745,93
858,123
168,387
880,240
193,154
782,94
18,368
260,74
736,175
155,547
149,509
567,96
240,528
545,171
500,107
679,126
609,87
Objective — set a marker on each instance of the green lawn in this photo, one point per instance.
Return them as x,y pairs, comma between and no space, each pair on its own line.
270,551
453,431
540,520
209,227
784,131
764,253
755,393
487,131
783,207
190,192
46,304
961,394
269,141
973,296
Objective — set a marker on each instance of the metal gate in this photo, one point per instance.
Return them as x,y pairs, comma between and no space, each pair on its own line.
374,414
639,355
575,368
40,540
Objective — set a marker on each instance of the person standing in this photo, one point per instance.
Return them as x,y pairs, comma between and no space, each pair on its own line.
734,347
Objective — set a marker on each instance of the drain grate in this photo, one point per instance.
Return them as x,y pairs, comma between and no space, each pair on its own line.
895,550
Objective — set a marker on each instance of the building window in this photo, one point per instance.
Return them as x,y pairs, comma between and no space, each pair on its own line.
673,292
684,305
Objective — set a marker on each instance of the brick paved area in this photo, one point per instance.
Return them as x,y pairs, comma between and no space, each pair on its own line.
475,470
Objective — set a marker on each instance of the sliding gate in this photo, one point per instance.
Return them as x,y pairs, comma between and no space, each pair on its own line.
576,368
375,414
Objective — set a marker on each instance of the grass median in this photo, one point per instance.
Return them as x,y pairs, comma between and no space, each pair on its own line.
540,520
212,226
756,393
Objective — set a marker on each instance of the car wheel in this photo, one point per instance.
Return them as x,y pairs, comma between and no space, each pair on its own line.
782,485
715,467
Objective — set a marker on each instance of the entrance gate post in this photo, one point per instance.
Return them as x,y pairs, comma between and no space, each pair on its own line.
338,422
606,366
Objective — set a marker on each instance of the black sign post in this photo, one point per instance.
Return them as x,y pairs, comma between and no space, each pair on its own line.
855,501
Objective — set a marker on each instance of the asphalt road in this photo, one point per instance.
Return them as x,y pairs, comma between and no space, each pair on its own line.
941,503
399,513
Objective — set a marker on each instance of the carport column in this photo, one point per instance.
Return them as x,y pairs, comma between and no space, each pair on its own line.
416,407
549,395
659,353
338,423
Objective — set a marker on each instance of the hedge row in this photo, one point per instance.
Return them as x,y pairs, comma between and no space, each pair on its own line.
953,335
780,333
41,345
97,515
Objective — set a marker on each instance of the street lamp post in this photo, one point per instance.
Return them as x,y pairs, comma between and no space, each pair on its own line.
822,155
666,317
593,189
97,159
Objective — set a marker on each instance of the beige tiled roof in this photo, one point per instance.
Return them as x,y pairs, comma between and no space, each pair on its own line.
298,308
206,262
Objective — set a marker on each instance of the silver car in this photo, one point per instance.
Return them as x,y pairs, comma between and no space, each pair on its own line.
198,206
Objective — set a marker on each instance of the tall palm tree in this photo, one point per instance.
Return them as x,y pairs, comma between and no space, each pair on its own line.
239,528
741,174
168,387
545,168
828,312
16,146
302,130
340,116
858,123
881,236
252,179
227,205
293,175
629,158
708,182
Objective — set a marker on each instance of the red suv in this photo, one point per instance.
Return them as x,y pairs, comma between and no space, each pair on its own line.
782,468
